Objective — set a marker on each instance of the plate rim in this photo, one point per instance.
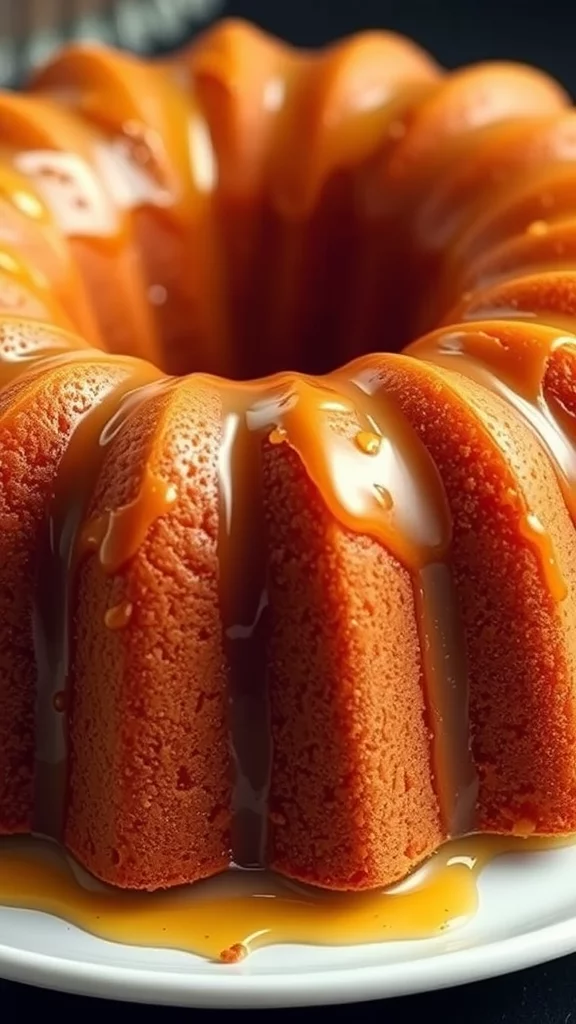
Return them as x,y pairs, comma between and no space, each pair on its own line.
239,989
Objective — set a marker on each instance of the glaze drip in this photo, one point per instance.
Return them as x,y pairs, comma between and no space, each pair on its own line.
514,367
168,211
118,535
378,480
442,642
61,546
244,606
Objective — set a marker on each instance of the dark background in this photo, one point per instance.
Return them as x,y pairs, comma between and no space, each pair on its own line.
456,31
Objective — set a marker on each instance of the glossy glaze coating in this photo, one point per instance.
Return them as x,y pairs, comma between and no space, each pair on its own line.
265,597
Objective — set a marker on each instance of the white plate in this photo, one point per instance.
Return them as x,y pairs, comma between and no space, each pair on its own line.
527,915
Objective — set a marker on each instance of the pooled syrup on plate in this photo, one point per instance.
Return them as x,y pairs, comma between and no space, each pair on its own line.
227,917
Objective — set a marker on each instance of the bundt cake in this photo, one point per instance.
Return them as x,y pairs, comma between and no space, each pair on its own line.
276,589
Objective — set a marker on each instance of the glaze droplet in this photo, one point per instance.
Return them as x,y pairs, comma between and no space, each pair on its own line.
384,497
278,435
368,442
532,529
234,953
119,616
59,701
538,228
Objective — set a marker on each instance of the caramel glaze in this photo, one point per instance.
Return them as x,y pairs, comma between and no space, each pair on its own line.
227,918
348,442
515,365
168,214
66,535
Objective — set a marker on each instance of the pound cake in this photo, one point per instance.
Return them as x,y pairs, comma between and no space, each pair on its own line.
281,586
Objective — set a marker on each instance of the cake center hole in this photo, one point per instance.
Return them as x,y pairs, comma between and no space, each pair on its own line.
305,296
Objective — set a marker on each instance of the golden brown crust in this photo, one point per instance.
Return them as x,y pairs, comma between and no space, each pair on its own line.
351,798
520,639
283,210
37,417
150,779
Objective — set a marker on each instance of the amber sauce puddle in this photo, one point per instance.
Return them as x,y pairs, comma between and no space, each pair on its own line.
230,916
